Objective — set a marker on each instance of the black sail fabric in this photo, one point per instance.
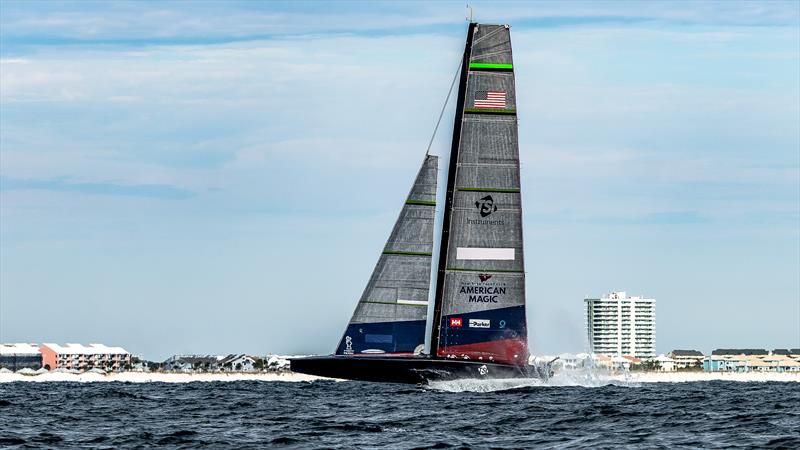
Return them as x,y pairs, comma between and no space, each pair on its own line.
390,316
482,310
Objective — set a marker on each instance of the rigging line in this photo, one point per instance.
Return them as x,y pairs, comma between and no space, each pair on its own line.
441,114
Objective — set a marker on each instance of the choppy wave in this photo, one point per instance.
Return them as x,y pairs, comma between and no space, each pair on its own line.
582,378
572,410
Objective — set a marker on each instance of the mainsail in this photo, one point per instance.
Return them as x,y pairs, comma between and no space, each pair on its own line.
480,300
390,317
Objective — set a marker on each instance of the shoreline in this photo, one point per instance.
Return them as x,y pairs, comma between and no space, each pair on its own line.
156,377
160,377
688,377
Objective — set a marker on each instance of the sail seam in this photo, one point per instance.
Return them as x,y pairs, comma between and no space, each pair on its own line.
490,111
459,269
420,202
499,190
484,164
394,303
486,36
396,252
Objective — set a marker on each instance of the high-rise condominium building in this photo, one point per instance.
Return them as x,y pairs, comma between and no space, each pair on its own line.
618,325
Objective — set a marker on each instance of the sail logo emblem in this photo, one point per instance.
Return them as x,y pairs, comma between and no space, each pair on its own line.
480,323
486,206
484,276
348,349
455,322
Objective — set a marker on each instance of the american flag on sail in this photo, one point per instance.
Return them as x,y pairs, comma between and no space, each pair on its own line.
490,99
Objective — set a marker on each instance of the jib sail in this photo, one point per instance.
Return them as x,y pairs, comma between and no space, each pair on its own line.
480,301
390,317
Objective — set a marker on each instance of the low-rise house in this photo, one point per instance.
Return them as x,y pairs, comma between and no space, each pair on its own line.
620,363
725,363
601,361
192,363
139,364
775,363
664,363
739,351
751,363
686,359
19,356
566,361
787,351
277,364
238,363
81,357
633,359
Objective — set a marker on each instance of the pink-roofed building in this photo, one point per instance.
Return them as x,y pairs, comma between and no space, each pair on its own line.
633,359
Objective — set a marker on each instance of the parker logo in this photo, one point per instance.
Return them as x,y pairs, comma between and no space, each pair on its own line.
480,323
484,276
486,206
455,322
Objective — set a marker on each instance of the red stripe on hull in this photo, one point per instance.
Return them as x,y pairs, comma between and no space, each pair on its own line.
507,351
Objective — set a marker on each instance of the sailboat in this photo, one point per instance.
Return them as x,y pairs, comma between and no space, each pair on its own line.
478,328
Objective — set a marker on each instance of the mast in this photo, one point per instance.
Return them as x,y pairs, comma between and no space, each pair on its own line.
448,205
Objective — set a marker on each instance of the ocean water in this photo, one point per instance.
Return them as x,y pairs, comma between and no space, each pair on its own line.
464,414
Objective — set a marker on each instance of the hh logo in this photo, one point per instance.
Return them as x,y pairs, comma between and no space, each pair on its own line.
486,206
455,322
484,276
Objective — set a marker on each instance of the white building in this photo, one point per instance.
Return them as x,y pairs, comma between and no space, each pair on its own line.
238,363
618,325
665,363
687,358
19,356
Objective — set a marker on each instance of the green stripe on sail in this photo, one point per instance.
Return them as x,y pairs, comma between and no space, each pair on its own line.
491,66
395,252
490,111
485,270
499,190
392,303
420,202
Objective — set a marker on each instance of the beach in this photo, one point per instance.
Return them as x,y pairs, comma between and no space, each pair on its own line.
155,377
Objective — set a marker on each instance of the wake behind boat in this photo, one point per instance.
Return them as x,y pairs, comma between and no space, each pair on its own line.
479,327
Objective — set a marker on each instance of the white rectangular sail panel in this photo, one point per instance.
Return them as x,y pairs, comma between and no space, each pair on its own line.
413,302
493,254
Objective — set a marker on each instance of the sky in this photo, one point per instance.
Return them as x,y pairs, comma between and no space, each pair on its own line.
221,177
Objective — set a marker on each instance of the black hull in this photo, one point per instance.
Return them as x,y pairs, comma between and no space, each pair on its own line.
412,369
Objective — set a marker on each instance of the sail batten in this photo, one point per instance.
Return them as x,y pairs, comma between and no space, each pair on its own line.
390,316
